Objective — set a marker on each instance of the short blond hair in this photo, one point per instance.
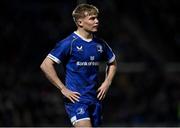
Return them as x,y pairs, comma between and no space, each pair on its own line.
83,10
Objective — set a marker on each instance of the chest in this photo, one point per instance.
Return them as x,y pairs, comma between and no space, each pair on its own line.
87,52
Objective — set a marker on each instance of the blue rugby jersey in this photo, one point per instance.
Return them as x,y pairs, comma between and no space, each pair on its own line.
81,58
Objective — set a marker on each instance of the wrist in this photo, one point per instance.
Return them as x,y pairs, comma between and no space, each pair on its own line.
61,88
108,82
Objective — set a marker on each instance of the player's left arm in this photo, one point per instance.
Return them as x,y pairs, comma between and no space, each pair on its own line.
110,72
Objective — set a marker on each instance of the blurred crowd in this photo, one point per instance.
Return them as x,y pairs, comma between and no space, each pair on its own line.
144,35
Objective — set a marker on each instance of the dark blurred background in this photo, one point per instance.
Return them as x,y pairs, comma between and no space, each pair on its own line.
144,35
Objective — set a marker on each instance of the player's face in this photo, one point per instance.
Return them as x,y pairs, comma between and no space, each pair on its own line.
90,23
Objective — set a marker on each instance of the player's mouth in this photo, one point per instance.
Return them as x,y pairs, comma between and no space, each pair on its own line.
96,26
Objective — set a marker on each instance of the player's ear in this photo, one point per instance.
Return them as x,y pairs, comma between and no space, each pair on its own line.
79,22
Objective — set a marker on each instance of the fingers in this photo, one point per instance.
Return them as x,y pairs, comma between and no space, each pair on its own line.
74,97
101,95
77,93
71,99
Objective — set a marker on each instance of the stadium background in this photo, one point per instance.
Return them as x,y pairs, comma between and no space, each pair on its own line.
144,35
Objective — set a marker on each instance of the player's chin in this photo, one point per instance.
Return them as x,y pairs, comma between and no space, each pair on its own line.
95,30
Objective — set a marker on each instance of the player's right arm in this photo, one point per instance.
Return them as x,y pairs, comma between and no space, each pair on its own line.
48,68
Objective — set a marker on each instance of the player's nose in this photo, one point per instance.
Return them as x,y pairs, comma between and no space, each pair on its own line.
96,21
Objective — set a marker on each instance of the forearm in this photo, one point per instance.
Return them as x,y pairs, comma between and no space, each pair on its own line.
48,68
110,72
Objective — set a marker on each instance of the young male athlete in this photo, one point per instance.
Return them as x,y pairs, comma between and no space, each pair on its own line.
80,53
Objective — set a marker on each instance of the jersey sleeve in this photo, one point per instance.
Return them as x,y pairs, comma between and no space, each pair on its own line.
60,52
108,53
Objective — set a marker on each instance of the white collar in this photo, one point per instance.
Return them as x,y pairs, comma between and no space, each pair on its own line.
87,40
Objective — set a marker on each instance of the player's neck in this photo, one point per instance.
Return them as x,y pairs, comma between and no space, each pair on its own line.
84,34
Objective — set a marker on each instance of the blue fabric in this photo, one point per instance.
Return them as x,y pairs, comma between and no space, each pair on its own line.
79,110
81,62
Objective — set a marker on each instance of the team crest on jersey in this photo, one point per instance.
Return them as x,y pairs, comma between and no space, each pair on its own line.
99,48
79,48
80,111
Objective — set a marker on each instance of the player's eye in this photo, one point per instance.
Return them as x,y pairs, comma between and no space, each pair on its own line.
93,18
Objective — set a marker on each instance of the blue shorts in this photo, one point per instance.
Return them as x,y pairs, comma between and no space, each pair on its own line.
84,111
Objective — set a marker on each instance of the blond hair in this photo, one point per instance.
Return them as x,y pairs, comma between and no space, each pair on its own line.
83,10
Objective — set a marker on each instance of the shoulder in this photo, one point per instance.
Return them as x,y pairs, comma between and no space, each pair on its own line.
100,41
66,41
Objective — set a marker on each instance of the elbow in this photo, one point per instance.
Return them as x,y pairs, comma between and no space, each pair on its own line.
115,65
42,66
46,64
